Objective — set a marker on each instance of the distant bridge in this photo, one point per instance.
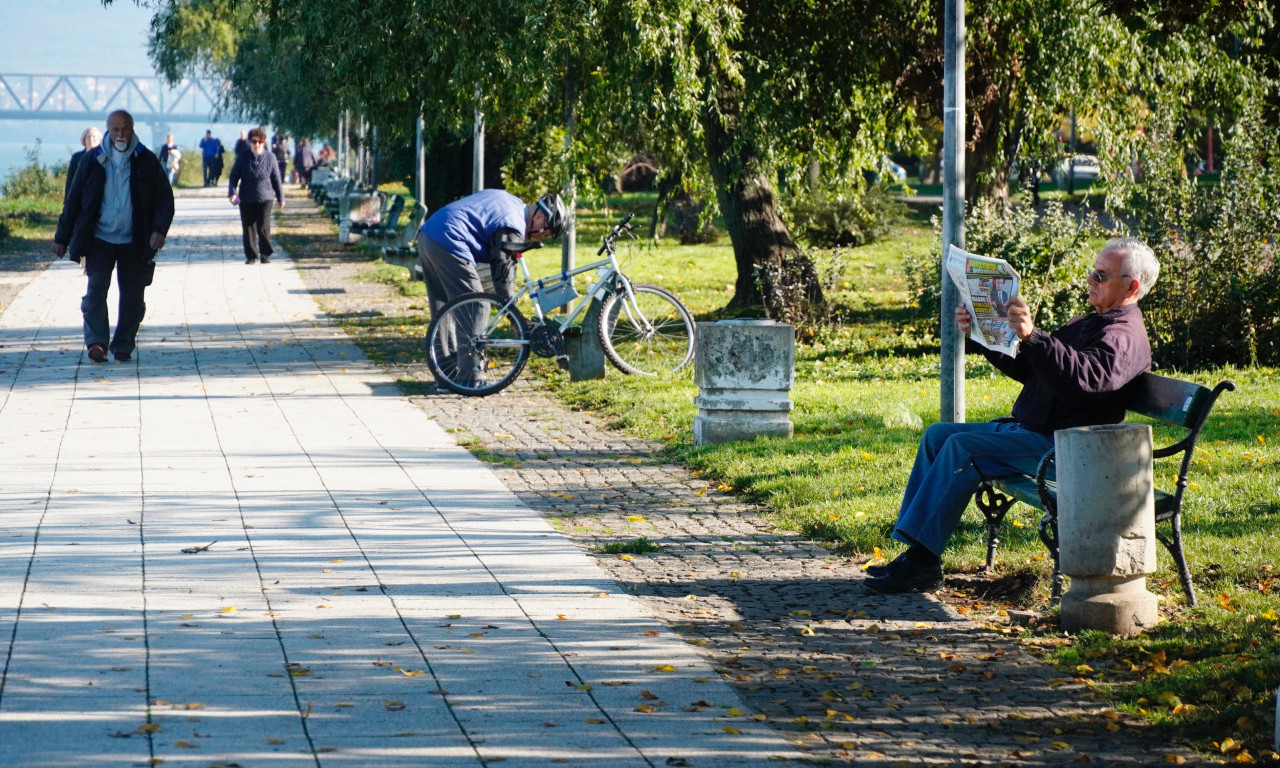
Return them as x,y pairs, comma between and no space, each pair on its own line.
88,98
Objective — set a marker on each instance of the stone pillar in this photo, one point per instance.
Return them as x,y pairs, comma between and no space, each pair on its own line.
582,347
745,369
1106,527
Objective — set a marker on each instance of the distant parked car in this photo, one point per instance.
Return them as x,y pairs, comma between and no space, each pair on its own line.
1084,168
891,168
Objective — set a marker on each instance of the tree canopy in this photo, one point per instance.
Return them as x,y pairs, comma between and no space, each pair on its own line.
741,98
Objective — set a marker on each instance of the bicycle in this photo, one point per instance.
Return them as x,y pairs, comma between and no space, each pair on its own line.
479,344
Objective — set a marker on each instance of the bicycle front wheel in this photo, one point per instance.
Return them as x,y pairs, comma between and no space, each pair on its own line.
476,347
648,335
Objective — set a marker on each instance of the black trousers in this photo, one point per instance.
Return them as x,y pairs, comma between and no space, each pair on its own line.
255,223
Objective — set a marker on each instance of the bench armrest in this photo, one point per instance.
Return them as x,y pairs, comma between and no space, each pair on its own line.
1047,499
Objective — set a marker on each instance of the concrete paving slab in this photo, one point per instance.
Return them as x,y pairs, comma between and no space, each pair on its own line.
357,590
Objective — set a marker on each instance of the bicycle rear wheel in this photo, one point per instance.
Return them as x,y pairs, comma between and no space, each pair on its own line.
476,347
651,335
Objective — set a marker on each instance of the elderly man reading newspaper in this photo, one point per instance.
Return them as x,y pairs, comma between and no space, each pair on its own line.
1071,378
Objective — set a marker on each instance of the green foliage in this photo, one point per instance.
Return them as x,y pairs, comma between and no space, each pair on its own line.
1051,249
640,546
33,180
849,221
1218,297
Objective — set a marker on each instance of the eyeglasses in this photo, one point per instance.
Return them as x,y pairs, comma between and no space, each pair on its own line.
1101,277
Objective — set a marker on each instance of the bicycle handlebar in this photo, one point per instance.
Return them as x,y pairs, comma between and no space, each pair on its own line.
618,229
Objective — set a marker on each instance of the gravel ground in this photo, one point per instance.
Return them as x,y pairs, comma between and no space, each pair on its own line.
852,677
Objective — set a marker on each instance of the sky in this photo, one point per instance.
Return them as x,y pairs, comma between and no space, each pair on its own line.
75,37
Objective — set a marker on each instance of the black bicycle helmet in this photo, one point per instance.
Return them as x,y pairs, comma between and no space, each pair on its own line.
557,214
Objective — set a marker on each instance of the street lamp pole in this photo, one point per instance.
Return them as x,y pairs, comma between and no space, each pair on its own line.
953,106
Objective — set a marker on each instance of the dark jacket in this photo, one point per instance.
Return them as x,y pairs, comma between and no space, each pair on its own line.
304,159
1074,377
73,165
149,193
258,177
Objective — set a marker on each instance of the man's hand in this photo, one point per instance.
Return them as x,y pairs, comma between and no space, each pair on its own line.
964,319
1019,317
157,241
282,204
59,250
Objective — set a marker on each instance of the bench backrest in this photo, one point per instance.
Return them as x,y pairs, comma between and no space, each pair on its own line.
392,217
1183,403
410,231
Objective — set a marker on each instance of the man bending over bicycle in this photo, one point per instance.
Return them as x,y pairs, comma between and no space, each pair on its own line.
482,228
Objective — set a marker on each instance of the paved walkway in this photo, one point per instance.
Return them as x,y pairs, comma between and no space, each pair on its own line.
244,548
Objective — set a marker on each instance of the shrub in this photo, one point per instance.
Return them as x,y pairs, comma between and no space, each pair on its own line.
1218,297
1050,248
32,180
848,222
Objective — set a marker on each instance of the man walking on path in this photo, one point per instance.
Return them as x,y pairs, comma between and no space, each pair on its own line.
210,150
116,217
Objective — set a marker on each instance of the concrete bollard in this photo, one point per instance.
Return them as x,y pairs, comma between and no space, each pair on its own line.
582,347
745,369
1107,527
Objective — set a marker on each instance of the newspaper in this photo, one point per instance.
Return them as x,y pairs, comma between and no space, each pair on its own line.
986,284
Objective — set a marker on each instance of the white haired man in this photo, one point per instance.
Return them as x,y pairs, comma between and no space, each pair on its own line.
115,217
1072,377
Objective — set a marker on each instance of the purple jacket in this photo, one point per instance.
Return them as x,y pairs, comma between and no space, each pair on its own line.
1073,377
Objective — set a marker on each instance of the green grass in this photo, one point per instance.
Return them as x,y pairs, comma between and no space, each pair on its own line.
640,546
28,219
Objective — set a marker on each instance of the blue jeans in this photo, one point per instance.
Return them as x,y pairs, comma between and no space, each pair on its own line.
950,463
131,277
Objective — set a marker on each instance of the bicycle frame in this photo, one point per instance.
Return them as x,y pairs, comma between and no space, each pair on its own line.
610,275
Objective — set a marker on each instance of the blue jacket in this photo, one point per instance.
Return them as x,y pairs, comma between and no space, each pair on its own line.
475,225
149,192
258,177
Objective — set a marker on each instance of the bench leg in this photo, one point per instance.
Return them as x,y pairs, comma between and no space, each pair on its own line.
1048,531
993,505
1174,545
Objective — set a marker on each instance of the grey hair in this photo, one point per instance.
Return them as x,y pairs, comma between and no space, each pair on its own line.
93,133
1137,260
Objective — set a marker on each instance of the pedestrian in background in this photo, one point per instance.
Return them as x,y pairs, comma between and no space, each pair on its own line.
171,158
90,138
280,150
241,146
209,149
304,162
255,182
218,160
115,218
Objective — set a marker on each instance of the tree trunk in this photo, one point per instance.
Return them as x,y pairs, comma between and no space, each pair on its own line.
772,272
986,164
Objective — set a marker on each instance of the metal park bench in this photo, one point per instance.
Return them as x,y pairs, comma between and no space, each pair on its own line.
1160,398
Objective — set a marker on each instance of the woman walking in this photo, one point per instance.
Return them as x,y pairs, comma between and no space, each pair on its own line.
258,177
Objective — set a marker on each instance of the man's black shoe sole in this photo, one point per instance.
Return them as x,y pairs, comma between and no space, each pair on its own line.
887,585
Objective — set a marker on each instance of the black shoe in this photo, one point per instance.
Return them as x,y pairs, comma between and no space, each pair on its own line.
264,260
907,578
123,357
97,353
883,568
249,260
